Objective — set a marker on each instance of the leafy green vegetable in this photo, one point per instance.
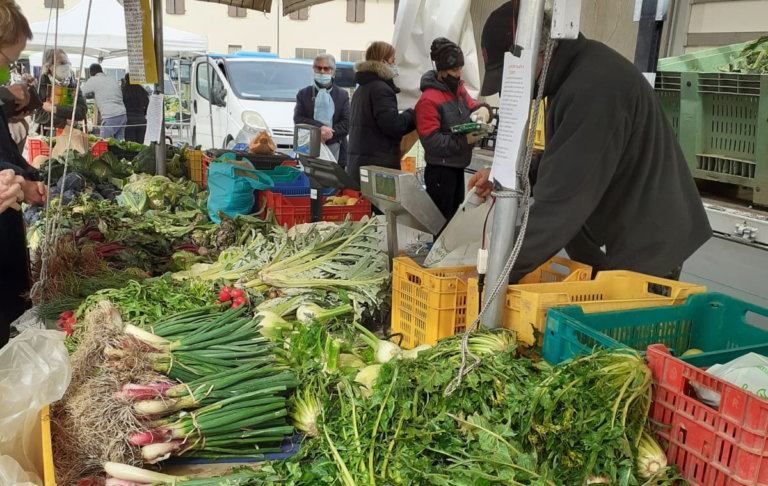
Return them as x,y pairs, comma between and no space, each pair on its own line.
753,59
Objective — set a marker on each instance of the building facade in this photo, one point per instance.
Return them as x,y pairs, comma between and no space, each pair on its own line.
343,28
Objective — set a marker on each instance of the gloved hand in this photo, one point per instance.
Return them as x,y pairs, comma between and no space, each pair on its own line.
482,114
473,137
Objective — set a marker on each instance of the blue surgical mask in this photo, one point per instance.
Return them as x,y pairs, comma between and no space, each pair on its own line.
394,70
323,80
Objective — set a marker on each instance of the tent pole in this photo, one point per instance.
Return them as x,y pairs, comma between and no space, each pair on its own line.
157,20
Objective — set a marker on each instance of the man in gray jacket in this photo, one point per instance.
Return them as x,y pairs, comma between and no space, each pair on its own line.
109,101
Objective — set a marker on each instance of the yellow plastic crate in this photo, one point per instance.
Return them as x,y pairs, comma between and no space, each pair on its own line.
526,305
429,304
538,141
47,470
195,166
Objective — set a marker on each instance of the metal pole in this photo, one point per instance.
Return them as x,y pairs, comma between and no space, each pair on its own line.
157,20
209,70
649,33
530,20
278,27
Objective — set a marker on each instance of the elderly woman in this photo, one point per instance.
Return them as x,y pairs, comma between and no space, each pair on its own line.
57,70
377,126
16,176
325,105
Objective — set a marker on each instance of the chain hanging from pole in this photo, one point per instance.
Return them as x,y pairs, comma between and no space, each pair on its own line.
524,195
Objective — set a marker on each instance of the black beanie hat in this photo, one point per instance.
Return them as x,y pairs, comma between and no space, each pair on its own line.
446,54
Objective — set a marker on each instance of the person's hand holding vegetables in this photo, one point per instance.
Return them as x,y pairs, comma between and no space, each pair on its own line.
11,192
481,181
35,193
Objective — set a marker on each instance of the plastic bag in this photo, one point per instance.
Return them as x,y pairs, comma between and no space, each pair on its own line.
34,372
458,243
11,474
327,154
231,189
749,372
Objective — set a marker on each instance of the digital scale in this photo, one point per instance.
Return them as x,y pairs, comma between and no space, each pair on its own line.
403,200
322,174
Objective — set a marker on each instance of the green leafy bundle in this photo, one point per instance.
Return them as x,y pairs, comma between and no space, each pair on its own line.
753,59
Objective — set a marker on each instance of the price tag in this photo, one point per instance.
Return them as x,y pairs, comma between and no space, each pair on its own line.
313,193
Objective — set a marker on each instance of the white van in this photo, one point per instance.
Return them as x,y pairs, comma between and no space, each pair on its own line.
249,93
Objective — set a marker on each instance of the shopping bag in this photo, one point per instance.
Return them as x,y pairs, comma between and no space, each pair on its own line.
458,243
749,372
34,372
231,188
79,143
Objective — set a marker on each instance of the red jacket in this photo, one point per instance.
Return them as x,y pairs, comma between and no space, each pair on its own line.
436,112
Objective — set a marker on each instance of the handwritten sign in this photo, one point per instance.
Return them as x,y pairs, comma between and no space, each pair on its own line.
514,110
141,50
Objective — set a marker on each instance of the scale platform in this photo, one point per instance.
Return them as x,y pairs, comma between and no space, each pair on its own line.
402,198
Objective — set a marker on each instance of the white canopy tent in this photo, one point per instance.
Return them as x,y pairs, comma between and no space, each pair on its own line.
106,33
36,60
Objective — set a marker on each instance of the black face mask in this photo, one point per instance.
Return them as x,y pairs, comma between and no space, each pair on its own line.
452,82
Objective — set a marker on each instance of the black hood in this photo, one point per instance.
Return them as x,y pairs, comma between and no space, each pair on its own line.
430,81
562,63
369,71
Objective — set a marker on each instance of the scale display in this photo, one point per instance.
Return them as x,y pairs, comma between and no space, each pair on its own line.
304,138
385,186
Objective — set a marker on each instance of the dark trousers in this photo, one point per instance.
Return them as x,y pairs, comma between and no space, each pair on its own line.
135,133
445,185
14,271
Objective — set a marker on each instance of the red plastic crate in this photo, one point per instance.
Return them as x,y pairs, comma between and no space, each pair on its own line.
290,211
99,148
36,147
207,162
725,447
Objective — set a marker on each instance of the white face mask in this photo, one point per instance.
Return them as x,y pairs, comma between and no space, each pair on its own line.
62,71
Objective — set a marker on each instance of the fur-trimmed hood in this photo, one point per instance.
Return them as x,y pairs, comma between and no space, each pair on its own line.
380,69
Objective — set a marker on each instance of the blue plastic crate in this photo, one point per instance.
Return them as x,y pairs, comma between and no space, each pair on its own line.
721,326
299,187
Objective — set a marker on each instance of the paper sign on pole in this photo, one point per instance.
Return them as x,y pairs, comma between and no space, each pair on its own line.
155,118
514,110
141,48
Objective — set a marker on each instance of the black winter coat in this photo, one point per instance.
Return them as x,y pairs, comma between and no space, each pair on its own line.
63,113
612,173
377,127
304,112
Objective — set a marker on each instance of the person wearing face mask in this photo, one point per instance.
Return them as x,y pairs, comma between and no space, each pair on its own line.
57,70
377,127
325,105
445,103
18,180
612,174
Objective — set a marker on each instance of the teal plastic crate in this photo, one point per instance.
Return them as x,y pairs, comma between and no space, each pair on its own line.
721,326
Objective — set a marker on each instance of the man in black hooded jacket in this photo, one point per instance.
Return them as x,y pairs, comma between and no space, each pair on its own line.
612,175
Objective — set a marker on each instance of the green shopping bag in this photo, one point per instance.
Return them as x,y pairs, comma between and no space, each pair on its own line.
231,189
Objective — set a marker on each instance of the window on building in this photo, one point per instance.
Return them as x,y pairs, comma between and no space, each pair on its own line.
306,53
238,12
301,14
356,11
397,7
352,56
54,3
233,49
265,48
174,7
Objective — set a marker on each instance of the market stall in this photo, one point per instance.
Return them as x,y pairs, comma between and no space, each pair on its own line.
211,334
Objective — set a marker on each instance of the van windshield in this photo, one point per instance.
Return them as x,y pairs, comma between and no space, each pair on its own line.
267,80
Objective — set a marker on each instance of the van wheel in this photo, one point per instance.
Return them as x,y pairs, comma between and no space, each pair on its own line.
229,143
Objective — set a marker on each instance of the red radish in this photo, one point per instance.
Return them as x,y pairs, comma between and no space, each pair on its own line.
65,315
237,293
225,296
239,301
227,290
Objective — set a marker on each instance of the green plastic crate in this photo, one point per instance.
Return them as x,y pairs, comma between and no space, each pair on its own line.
705,61
721,326
721,122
